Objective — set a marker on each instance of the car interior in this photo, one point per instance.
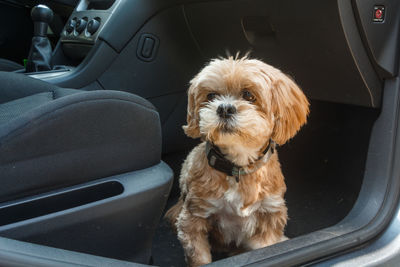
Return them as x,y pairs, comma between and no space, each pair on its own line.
93,96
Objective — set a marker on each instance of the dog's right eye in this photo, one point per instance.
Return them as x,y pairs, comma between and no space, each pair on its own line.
211,96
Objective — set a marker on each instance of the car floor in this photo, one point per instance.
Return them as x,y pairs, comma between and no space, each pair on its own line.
323,168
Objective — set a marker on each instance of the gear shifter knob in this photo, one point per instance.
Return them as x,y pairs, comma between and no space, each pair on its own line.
41,16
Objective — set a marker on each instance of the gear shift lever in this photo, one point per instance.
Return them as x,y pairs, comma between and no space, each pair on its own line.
39,58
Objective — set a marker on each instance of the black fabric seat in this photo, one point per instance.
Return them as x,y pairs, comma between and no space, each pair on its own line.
80,170
52,137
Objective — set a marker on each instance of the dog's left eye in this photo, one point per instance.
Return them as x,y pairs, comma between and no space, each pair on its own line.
248,96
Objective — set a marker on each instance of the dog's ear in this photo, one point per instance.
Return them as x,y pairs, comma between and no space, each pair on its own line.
290,107
192,128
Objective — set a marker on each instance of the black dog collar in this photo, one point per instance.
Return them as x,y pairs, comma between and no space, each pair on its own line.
218,161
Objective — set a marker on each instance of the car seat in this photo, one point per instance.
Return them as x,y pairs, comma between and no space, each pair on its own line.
80,170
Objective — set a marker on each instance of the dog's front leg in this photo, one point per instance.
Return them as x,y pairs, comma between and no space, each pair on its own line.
193,235
270,229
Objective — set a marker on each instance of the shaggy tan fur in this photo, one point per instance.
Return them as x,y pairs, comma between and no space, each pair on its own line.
214,211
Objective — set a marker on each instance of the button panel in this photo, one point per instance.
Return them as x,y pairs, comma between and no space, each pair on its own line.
84,26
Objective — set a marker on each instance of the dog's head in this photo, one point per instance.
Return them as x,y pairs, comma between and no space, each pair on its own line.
244,103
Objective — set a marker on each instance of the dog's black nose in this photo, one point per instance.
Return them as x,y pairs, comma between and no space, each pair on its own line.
226,111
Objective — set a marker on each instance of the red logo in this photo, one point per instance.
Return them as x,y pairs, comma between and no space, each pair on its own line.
378,14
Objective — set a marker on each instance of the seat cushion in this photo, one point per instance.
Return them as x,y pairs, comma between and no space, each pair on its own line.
16,85
8,65
64,137
15,108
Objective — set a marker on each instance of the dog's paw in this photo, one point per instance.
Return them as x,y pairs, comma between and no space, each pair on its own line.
284,238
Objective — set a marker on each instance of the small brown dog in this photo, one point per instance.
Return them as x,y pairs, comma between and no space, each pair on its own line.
232,187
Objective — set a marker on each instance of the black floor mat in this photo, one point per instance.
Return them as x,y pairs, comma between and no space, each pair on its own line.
167,251
323,167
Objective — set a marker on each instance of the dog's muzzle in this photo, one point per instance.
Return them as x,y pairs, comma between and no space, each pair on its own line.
226,111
